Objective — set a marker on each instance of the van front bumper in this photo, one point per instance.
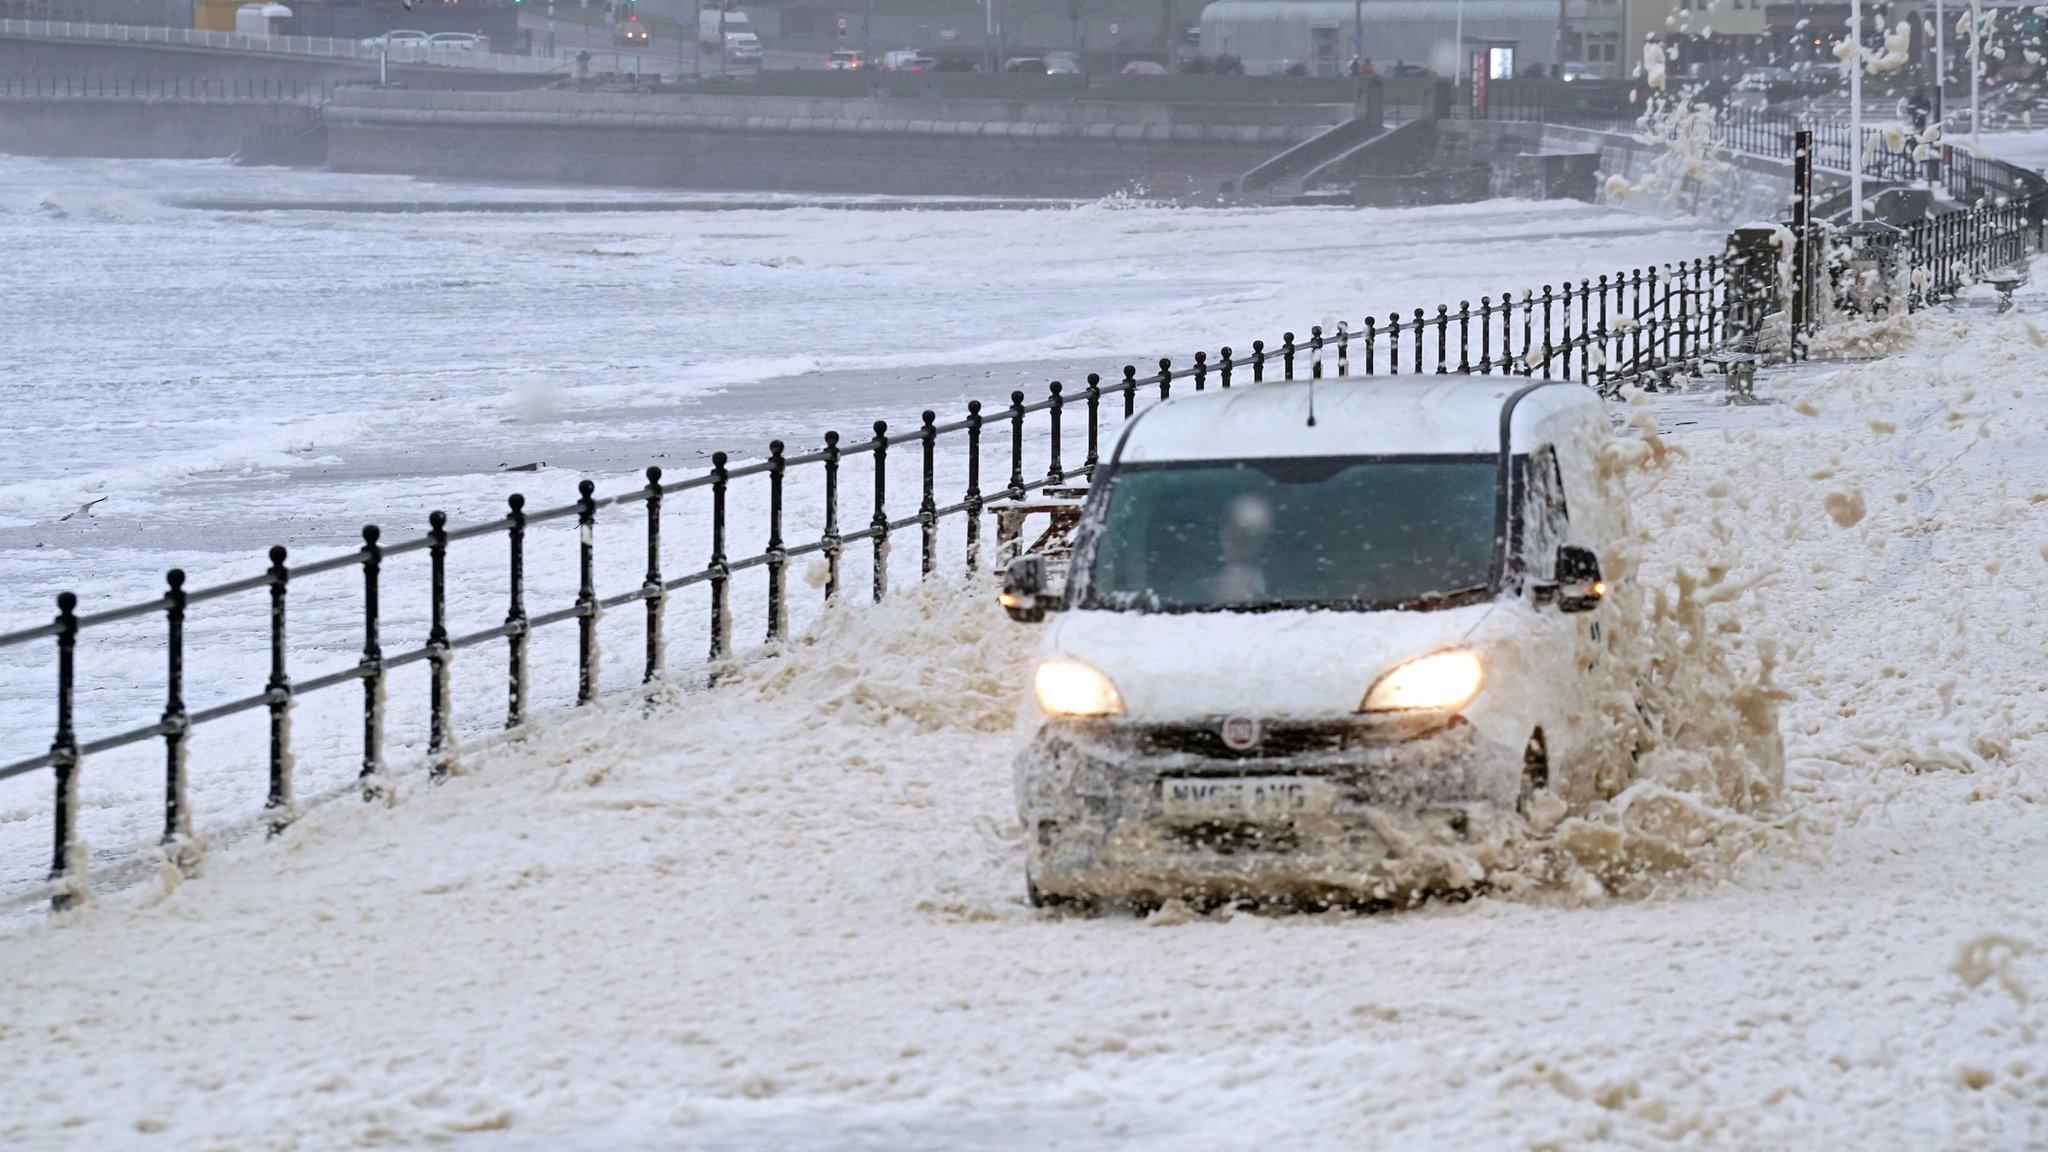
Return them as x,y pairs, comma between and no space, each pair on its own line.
1404,807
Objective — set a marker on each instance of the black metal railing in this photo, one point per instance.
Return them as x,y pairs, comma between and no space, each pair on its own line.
211,89
1945,254
1599,331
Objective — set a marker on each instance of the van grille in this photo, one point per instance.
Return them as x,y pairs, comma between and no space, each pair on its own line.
1276,739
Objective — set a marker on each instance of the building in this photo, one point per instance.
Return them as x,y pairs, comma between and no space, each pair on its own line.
1504,38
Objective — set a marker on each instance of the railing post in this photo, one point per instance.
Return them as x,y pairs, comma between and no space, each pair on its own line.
64,759
650,585
1165,377
1223,367
177,723
1485,335
880,520
1130,387
277,806
1602,335
721,576
370,778
1287,354
1370,337
1094,395
1343,348
1201,370
1421,322
1056,402
1635,328
778,559
1258,361
1315,354
831,535
928,505
515,614
1564,339
1528,328
439,729
974,486
1443,333
586,593
1016,488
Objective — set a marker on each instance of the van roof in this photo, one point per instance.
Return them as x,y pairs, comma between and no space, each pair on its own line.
1370,416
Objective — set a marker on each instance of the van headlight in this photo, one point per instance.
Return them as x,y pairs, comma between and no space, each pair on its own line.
1440,680
1071,688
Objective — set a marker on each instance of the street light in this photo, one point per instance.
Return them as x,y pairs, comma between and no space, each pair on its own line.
1856,111
1976,68
1940,67
1458,65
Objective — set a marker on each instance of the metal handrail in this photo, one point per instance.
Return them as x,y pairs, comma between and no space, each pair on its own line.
319,46
1565,330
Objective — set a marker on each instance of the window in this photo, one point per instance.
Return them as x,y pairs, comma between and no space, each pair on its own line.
1544,520
1358,533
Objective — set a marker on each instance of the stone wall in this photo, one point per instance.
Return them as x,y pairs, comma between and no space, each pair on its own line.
814,144
158,129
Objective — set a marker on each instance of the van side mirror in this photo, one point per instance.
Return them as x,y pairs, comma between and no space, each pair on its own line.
1024,596
1580,587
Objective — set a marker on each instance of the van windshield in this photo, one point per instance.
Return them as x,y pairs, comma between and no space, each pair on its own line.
1357,533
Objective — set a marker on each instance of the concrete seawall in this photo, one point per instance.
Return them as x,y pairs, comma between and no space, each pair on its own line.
175,129
815,144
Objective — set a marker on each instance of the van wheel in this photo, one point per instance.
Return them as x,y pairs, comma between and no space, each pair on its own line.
1040,898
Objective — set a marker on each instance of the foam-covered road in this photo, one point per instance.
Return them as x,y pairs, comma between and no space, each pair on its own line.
788,914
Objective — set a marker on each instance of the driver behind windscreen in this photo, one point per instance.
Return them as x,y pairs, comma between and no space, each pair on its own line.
1247,526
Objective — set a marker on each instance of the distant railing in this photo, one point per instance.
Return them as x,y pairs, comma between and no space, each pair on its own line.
1767,135
1947,253
203,89
1600,331
318,46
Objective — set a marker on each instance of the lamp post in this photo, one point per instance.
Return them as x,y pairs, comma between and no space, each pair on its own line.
1458,65
1940,65
1856,111
988,35
1358,38
1976,68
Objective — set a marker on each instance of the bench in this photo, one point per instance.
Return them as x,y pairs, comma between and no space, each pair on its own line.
1062,509
1738,367
2003,281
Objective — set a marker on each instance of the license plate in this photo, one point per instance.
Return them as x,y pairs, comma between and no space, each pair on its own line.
1249,798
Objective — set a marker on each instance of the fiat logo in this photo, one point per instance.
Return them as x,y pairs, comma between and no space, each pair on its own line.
1240,733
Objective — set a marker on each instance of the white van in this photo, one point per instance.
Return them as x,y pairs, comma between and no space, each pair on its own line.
1312,639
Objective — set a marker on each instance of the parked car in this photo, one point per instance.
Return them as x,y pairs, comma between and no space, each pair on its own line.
630,32
743,47
1763,79
1297,657
396,38
843,61
1033,65
1144,68
1062,64
899,60
458,42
